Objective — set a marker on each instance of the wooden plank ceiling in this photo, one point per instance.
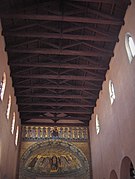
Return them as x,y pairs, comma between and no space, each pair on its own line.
58,53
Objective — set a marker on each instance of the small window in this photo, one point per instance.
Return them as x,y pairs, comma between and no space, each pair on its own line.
2,86
97,125
13,123
130,46
17,135
8,107
111,92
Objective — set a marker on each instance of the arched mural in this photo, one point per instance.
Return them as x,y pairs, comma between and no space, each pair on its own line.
54,158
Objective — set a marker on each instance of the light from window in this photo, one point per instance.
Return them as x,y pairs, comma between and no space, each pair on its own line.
2,86
17,135
97,125
13,123
130,46
8,107
111,92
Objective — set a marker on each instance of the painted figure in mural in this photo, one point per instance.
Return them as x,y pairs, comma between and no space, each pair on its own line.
55,133
44,132
34,132
61,133
32,163
54,163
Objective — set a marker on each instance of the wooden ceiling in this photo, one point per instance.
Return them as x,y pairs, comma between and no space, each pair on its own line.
58,53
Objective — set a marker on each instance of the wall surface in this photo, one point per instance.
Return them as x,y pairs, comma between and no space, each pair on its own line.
8,149
115,140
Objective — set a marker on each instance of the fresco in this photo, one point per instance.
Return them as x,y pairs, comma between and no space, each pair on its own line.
53,158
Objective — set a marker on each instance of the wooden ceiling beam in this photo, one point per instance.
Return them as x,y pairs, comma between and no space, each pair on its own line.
62,18
57,96
61,36
59,104
29,117
59,52
66,111
63,87
58,77
99,1
56,65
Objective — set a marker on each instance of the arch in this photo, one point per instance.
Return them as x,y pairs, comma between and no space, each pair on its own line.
113,175
126,167
130,46
54,158
2,86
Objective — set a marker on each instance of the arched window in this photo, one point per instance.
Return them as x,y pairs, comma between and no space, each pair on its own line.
13,123
8,107
97,125
111,92
17,135
2,86
130,46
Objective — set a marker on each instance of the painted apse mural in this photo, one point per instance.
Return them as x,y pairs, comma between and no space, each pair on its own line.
53,156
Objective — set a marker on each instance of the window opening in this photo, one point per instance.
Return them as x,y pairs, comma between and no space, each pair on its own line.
111,92
17,135
97,125
2,86
13,123
8,107
130,46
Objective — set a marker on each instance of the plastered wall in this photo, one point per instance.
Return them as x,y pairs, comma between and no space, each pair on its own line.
8,149
116,139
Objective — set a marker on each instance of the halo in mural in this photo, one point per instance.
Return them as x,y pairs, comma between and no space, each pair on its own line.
53,158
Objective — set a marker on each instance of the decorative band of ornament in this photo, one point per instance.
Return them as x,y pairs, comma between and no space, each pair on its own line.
30,133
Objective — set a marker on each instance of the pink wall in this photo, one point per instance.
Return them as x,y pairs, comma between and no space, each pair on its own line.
8,149
117,121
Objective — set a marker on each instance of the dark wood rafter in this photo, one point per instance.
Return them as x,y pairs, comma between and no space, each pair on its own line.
62,18
57,77
55,104
56,65
58,54
61,36
66,111
65,87
29,117
65,96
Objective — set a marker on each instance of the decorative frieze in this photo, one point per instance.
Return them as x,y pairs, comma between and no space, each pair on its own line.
30,133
